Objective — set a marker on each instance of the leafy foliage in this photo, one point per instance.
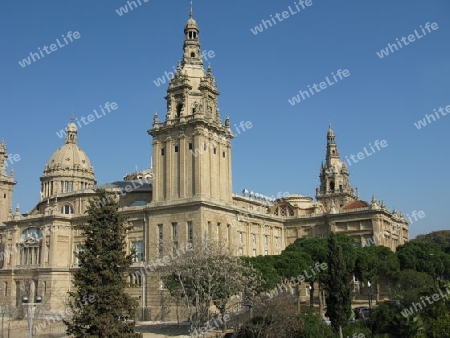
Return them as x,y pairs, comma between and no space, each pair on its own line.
265,266
210,275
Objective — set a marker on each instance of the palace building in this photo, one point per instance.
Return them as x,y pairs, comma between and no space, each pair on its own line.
185,197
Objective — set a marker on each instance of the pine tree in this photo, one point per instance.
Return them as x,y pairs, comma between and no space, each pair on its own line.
100,305
337,284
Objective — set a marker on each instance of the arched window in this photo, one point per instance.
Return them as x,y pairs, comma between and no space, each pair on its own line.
67,209
179,108
192,55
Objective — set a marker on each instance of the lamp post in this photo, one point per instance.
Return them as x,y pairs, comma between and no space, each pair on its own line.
38,301
370,294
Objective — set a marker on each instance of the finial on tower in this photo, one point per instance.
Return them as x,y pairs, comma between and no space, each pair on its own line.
190,12
73,117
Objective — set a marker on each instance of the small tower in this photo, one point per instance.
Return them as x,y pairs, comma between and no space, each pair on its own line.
192,147
7,184
335,188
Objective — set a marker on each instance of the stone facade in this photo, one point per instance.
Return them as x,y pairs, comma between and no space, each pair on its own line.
186,197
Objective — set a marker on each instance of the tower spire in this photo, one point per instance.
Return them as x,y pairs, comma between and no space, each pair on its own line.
193,122
334,177
192,54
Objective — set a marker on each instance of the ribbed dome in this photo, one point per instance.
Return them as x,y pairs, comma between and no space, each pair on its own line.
330,132
70,160
69,157
191,24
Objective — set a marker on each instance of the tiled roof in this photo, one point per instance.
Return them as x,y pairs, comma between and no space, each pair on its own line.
356,205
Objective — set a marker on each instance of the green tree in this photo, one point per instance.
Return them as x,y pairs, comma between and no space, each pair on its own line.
337,284
316,248
100,305
313,326
265,266
411,285
441,238
424,257
375,263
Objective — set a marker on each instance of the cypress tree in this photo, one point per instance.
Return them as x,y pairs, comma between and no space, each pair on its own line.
337,284
100,305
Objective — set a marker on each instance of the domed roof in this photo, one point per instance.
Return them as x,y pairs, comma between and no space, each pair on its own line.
70,156
70,159
330,132
191,23
71,127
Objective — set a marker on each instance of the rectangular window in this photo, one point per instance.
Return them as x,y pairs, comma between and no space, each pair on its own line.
254,238
190,146
163,283
162,152
223,154
276,241
160,232
205,146
175,231
47,255
254,252
215,151
66,186
139,249
209,230
190,231
9,253
241,237
80,249
266,240
176,149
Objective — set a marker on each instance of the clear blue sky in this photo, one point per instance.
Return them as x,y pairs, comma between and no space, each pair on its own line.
117,58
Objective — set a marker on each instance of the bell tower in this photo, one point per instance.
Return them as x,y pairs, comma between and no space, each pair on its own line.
335,189
192,147
7,184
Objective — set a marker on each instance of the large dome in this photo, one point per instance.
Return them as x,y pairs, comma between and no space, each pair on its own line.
69,157
69,168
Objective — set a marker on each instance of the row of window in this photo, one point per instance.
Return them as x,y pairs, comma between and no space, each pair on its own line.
254,252
190,232
64,187
205,148
254,238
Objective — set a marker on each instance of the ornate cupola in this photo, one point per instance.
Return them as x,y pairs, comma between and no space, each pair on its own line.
191,47
69,169
192,147
335,189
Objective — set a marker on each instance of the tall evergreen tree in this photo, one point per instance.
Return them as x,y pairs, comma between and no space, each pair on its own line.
337,284
100,305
